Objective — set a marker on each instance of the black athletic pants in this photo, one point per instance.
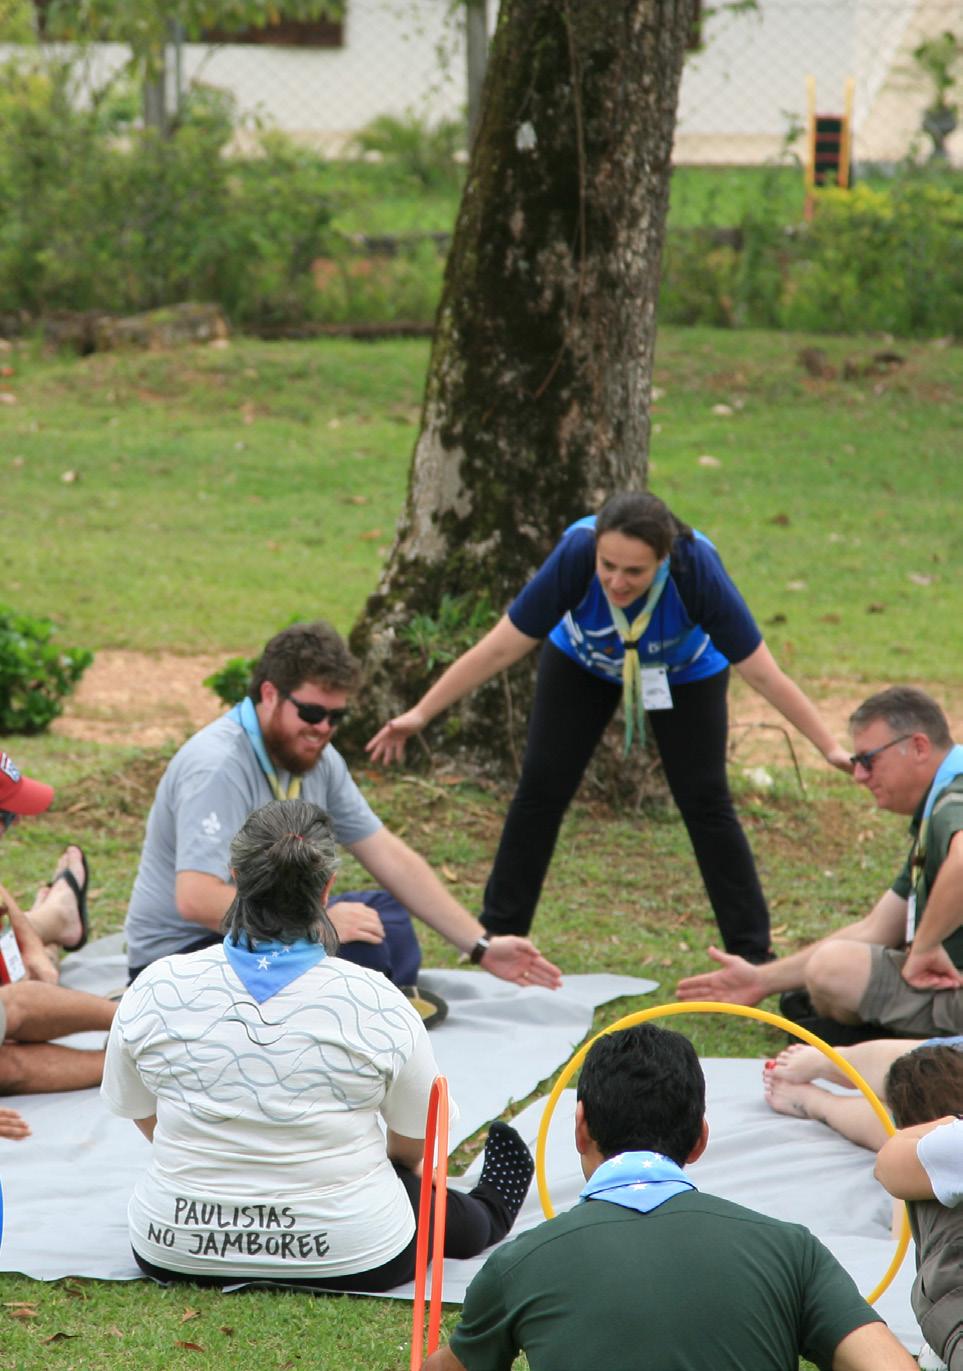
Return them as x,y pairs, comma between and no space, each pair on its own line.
570,712
472,1223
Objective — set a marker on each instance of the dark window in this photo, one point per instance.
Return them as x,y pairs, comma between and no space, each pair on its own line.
290,33
295,33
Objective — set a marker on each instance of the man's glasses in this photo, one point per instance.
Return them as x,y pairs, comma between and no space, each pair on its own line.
866,759
315,714
7,819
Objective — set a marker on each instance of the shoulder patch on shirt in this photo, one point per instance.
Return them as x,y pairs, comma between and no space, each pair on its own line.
211,825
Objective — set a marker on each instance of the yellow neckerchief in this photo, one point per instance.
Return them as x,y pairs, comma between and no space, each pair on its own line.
631,633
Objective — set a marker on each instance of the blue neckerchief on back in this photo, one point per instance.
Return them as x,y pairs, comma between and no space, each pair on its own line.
246,715
950,767
270,966
636,1180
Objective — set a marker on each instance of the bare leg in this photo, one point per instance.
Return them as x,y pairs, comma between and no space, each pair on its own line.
37,1012
849,1115
55,915
37,1068
801,1064
837,976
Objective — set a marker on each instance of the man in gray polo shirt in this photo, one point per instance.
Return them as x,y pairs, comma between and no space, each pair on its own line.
275,745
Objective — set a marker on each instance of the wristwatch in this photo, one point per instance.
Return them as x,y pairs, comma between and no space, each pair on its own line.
479,950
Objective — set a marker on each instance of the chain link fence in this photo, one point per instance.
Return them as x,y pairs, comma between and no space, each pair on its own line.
743,94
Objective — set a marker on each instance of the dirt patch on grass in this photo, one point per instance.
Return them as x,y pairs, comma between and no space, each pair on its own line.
141,700
144,700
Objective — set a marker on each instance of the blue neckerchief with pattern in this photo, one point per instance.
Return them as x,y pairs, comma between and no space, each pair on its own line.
270,966
246,715
636,1180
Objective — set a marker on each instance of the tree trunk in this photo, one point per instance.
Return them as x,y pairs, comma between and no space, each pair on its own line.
537,397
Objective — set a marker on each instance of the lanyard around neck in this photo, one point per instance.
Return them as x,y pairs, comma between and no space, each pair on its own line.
246,715
631,634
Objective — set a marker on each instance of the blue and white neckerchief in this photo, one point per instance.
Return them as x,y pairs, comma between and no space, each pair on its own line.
270,966
246,715
636,1180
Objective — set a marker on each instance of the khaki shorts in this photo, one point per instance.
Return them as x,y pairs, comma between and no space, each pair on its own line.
890,1002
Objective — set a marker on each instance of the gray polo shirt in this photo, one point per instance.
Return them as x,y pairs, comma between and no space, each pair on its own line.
210,787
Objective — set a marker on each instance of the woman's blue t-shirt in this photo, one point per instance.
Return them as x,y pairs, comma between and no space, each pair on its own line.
700,624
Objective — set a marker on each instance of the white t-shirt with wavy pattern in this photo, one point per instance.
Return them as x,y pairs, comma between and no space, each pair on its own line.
269,1153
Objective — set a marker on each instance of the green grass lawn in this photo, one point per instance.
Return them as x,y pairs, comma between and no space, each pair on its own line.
217,492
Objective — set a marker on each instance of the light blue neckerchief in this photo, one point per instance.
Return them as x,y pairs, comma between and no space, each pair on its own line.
636,1180
270,966
246,715
950,767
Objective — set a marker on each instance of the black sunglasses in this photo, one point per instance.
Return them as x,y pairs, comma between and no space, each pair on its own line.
7,819
315,714
866,759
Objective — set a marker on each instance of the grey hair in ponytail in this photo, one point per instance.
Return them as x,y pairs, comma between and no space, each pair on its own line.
283,858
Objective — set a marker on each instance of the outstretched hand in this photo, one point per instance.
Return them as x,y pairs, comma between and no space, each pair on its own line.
737,981
518,959
388,744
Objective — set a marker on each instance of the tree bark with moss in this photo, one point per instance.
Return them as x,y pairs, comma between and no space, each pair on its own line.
537,399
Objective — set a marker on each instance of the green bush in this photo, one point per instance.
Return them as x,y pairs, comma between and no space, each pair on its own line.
230,681
885,261
379,289
35,673
873,259
90,219
423,153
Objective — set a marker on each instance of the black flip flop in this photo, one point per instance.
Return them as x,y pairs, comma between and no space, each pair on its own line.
80,894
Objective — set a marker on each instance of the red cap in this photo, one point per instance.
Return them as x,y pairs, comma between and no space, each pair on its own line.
20,795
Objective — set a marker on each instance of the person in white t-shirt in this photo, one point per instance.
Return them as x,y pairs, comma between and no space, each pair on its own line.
285,1093
923,1164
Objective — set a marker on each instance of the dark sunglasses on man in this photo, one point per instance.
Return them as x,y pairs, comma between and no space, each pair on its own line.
866,759
7,819
314,714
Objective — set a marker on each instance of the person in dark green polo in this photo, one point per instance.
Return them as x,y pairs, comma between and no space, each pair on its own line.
648,1274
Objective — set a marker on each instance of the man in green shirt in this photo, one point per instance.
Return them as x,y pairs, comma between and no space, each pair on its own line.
899,967
645,1273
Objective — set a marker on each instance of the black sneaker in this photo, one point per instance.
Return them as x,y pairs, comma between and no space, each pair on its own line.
796,1006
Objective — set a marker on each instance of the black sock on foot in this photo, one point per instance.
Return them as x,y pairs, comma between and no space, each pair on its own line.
508,1168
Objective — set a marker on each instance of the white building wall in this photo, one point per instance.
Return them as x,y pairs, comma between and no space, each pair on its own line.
739,97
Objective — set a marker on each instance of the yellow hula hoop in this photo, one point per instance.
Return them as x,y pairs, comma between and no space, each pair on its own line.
742,1011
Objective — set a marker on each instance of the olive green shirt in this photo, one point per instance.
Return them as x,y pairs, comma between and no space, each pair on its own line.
946,820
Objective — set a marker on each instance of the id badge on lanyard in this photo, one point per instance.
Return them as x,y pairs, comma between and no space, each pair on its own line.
910,917
655,688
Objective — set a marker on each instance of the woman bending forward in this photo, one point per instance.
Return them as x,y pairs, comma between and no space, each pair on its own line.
633,602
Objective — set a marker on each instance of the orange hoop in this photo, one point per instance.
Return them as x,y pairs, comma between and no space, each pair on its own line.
436,1127
740,1011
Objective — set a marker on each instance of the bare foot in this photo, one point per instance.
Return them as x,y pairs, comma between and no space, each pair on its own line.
56,915
785,1097
799,1064
13,1125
